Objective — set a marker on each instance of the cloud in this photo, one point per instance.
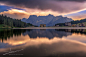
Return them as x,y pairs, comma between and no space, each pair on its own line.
72,0
78,17
15,13
61,6
19,14
43,7
6,8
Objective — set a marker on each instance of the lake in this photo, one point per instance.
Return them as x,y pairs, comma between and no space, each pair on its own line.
43,42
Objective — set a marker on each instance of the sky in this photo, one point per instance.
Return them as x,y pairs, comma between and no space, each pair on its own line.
75,9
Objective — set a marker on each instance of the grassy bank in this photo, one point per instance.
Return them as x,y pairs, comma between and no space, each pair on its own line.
4,26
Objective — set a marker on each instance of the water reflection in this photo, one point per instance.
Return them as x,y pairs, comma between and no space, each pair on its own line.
7,33
18,36
49,33
49,42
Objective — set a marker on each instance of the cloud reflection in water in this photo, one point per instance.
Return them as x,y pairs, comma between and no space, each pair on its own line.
44,46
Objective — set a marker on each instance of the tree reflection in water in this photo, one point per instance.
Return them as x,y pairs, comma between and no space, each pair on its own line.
49,33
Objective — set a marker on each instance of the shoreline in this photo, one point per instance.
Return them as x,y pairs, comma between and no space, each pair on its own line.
48,28
52,28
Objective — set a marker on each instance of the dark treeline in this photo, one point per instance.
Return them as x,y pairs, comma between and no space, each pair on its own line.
78,21
11,22
60,24
72,22
7,33
28,25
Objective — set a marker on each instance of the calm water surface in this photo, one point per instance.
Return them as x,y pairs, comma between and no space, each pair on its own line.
43,42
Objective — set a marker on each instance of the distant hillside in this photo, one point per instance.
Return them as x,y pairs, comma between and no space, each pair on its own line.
78,21
74,22
49,20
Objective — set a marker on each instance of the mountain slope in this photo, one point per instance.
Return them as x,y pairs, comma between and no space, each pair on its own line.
49,20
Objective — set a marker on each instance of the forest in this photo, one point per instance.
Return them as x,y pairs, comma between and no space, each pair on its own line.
72,22
78,21
10,22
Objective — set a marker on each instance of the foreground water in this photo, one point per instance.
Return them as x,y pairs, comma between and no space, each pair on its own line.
43,42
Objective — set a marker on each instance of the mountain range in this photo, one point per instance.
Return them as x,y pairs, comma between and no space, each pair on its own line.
49,20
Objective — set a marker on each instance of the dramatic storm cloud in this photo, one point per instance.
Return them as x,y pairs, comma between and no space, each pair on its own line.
72,0
61,7
55,5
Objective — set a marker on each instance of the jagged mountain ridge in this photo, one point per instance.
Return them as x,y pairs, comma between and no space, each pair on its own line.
49,20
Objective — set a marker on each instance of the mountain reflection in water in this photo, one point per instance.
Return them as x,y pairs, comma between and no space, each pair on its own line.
46,33
41,42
